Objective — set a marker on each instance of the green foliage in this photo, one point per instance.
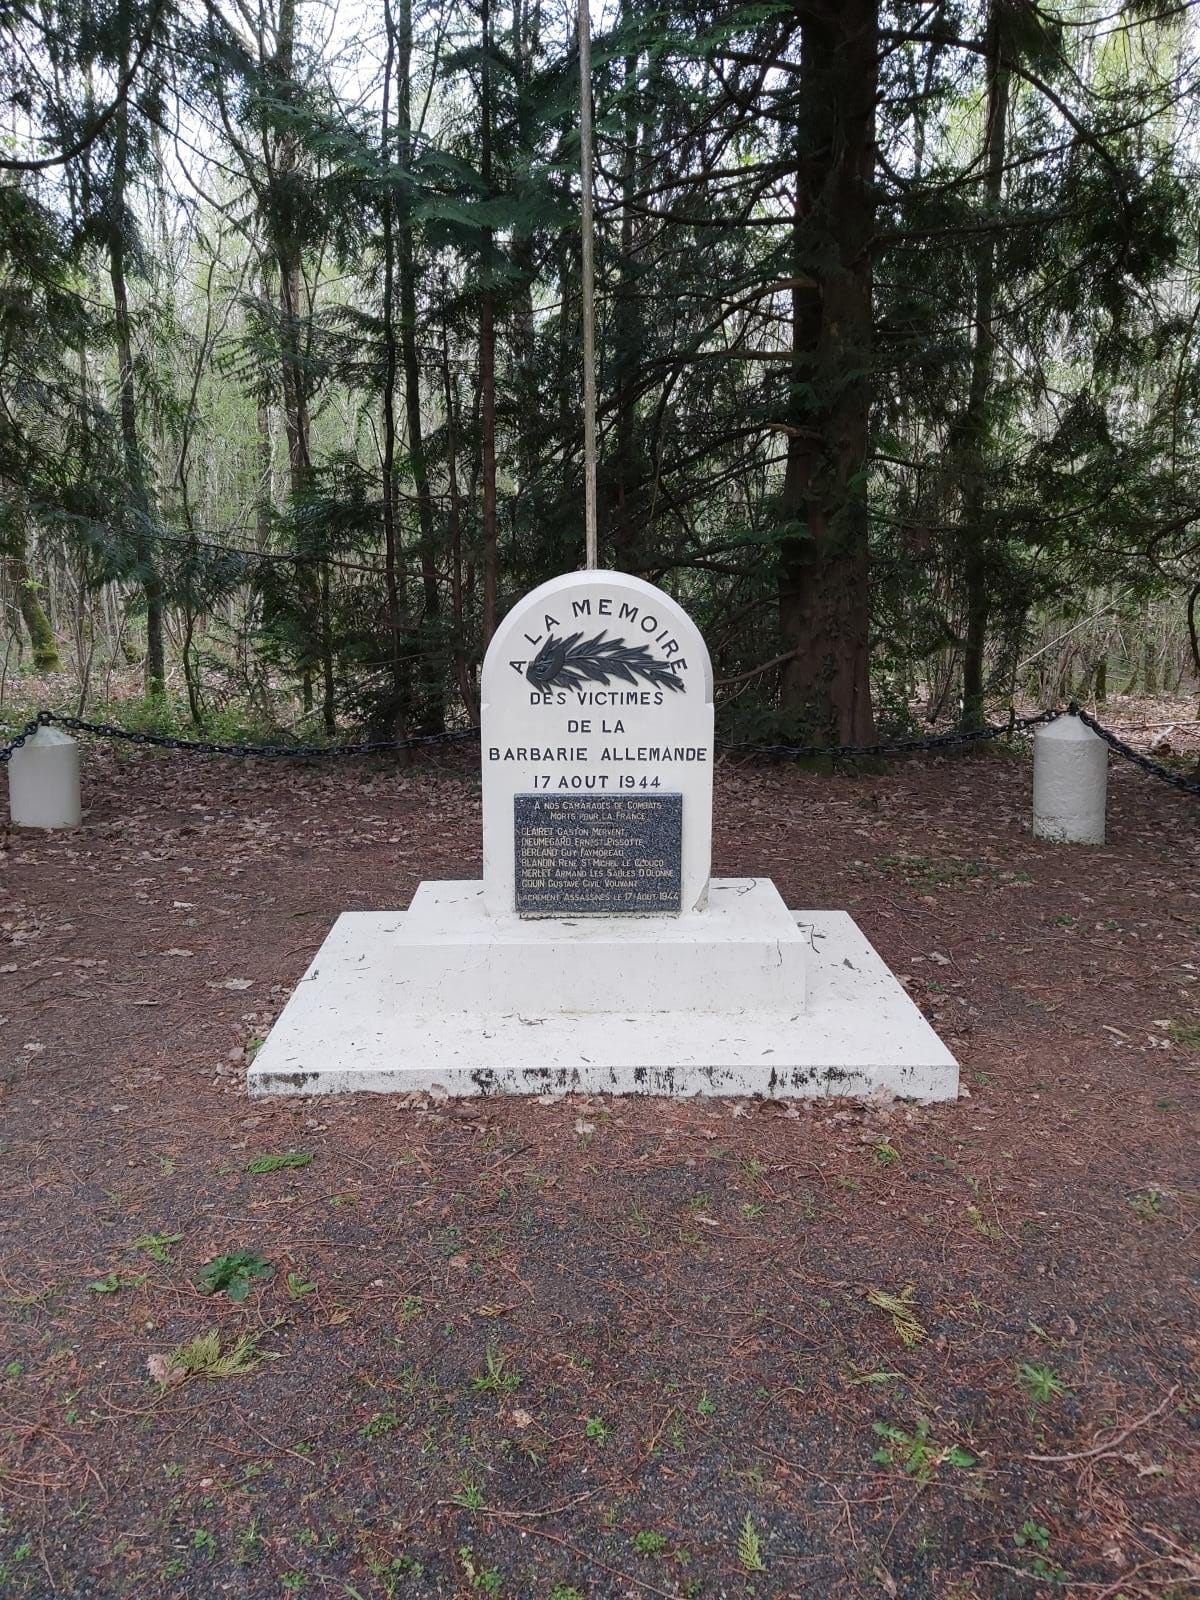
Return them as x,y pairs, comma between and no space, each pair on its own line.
204,1357
470,1496
918,1454
293,1159
113,1282
648,1543
379,1426
1186,1034
749,1547
1042,1384
234,1273
157,1245
1007,430
495,1378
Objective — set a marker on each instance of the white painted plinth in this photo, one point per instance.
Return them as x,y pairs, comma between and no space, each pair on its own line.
1070,782
536,1007
43,782
458,957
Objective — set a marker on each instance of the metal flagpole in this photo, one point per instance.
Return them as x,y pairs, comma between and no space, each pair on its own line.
588,284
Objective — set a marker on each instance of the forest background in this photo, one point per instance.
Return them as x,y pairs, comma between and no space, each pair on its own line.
898,364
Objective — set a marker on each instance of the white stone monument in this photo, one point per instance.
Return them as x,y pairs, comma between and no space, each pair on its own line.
597,954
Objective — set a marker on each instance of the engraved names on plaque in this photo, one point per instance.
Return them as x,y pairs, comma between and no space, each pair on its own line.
598,855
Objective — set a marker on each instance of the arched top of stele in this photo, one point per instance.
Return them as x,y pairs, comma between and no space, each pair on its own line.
596,683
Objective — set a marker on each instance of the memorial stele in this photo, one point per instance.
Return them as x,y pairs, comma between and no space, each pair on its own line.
598,954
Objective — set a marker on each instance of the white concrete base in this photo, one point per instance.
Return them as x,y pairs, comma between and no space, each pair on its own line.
363,1017
459,958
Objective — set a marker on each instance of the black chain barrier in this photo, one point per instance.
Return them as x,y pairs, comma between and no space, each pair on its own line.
1147,764
27,732
207,747
935,741
796,752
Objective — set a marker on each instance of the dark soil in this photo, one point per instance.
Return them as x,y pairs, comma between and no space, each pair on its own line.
600,1348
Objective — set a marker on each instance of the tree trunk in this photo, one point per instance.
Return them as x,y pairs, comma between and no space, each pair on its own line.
624,494
529,423
391,541
37,624
265,499
431,712
312,571
467,684
973,434
487,351
138,498
823,561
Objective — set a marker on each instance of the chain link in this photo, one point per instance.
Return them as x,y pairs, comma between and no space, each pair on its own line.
842,752
208,747
937,741
1155,768
27,732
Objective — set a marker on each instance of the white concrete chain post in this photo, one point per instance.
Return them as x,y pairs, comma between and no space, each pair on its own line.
43,781
1070,782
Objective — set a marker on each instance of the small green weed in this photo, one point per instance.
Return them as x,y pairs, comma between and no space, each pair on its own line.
596,1429
753,1209
1148,1203
980,1223
157,1246
293,1158
115,1281
494,1379
380,1425
451,1241
885,1153
470,1495
249,1544
1185,1033
485,1579
1042,1384
705,1406
923,872
918,1454
1034,1537
564,1591
647,1543
299,1287
234,1273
